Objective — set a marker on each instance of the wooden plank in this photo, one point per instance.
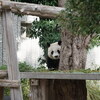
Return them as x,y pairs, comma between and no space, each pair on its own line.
48,75
39,89
44,89
31,9
12,65
9,83
3,74
34,89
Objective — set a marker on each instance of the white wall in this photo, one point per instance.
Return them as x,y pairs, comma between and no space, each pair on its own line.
93,58
29,51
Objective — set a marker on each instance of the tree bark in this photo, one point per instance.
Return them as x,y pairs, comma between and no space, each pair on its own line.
73,56
70,90
73,52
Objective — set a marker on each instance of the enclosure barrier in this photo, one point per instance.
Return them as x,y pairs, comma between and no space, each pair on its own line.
38,80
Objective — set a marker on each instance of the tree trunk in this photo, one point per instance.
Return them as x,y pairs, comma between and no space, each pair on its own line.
73,56
73,52
70,90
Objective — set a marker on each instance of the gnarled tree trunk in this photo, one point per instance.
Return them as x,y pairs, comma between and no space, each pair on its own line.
73,56
70,90
73,52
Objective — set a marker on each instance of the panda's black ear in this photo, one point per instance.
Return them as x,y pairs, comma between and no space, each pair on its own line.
59,42
48,44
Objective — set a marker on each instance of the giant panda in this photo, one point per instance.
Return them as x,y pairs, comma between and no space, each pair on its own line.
53,56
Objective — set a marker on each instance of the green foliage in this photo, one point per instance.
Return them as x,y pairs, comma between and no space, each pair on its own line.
95,41
6,91
81,16
45,2
25,88
3,67
93,90
47,31
23,67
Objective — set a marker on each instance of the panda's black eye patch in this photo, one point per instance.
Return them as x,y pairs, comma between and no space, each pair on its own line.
52,52
58,51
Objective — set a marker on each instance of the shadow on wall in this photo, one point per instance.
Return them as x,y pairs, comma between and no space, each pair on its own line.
7,98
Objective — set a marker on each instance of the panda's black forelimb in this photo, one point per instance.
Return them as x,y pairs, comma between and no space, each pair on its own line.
52,64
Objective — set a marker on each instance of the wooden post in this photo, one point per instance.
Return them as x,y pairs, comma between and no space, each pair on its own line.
13,71
39,89
1,93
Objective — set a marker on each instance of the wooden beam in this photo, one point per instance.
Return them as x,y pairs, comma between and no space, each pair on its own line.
60,75
12,65
31,9
48,75
3,74
9,83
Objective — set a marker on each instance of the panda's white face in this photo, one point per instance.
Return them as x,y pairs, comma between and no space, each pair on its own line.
54,50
